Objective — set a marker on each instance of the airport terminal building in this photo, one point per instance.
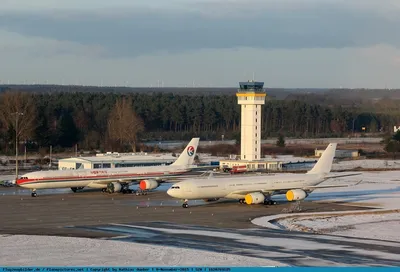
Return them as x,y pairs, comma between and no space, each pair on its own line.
260,165
115,160
340,154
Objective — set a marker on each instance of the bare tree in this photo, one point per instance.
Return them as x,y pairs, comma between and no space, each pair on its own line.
124,124
17,108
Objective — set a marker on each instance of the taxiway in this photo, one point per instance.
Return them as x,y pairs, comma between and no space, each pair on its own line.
58,214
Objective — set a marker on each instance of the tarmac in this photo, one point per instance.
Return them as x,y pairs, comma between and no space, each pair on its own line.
57,214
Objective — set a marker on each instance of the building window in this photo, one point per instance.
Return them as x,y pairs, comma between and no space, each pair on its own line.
256,134
256,142
244,156
256,120
256,149
256,112
256,156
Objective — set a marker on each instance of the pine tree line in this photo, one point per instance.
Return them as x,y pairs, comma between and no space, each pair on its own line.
64,119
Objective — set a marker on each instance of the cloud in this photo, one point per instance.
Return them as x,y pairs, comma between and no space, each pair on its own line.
37,47
369,67
127,31
287,43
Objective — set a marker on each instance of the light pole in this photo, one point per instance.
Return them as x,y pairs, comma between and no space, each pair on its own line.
17,114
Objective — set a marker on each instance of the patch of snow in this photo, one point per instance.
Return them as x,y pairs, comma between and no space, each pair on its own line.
378,189
25,250
388,231
352,164
349,224
288,246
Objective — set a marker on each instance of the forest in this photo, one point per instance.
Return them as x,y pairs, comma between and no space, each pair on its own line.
123,120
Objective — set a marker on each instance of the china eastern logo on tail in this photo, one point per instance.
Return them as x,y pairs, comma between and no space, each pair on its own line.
190,151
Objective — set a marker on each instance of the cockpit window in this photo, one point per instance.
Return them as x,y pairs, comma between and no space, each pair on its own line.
175,187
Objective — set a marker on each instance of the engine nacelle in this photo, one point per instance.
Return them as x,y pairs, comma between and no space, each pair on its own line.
147,184
297,194
114,187
254,198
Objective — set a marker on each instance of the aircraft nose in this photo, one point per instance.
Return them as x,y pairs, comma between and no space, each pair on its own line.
170,192
18,182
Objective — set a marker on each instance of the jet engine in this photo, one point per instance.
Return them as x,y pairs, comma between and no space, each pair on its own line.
148,184
297,194
254,198
114,187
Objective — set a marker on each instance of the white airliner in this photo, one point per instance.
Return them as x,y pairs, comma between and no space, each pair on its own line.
111,179
259,189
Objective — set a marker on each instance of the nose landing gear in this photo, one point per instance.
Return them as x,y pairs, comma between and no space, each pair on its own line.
185,204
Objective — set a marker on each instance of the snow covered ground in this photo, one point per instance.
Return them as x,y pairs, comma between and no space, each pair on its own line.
22,250
289,248
353,164
378,189
370,226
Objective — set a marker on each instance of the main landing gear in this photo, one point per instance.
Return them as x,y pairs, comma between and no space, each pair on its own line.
75,189
266,202
270,202
141,192
125,189
34,194
185,204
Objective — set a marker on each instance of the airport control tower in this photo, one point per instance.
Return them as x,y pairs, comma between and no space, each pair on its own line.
251,96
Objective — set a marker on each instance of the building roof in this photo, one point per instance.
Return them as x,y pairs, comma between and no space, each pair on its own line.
258,161
132,158
251,84
339,150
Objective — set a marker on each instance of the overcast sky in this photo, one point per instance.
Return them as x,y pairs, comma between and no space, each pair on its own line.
285,43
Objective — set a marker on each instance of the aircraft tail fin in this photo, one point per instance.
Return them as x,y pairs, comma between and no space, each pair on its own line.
187,156
324,164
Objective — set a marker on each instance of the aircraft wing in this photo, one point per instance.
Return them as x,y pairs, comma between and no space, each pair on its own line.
138,179
283,190
341,175
328,186
245,192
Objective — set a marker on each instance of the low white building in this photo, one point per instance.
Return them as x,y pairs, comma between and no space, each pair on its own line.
251,165
115,160
340,153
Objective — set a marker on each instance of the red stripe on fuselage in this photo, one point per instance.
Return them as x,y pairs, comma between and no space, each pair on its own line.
50,179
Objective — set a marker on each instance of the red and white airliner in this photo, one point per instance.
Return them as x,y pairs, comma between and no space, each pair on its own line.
111,179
